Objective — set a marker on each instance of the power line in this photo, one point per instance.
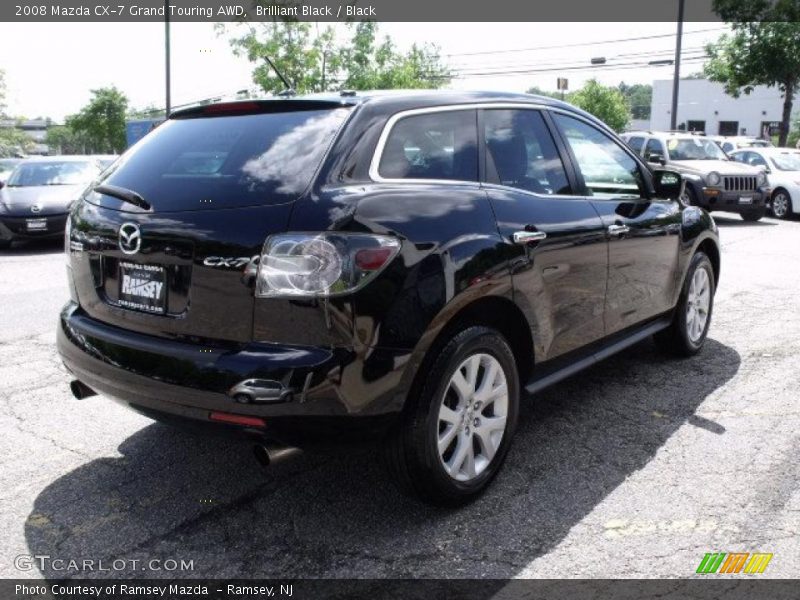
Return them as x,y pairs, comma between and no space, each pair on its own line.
582,44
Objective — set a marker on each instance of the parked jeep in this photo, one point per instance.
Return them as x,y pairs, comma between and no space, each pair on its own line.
713,180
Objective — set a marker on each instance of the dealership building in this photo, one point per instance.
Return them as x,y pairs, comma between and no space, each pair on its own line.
704,106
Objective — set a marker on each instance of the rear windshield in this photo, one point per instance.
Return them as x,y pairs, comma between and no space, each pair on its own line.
226,161
52,173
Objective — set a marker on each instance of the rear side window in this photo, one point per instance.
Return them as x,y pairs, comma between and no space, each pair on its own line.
523,153
440,145
228,161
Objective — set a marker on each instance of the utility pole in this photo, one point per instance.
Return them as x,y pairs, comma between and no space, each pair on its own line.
167,61
676,78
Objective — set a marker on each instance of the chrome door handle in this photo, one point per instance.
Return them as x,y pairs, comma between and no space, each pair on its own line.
525,237
618,229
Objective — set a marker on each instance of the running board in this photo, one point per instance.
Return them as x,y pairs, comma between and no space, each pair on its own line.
537,385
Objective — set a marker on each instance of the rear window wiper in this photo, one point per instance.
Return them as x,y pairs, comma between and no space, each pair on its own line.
123,194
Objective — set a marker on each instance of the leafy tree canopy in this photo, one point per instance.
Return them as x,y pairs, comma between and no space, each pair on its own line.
312,59
763,48
101,123
606,103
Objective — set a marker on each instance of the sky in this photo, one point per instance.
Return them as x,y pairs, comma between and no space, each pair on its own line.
51,67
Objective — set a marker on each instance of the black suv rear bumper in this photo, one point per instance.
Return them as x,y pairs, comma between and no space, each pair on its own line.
323,390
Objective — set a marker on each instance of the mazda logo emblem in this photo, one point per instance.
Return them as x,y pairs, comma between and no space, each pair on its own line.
130,238
36,208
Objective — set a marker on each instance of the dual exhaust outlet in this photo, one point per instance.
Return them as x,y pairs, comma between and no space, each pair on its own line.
265,454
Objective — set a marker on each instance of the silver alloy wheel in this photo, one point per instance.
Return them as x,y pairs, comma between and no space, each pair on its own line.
698,302
472,416
780,205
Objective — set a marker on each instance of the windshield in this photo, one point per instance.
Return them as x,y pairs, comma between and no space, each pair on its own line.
695,148
226,161
52,173
787,162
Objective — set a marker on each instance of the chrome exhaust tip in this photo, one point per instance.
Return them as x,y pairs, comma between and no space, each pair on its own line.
270,454
80,390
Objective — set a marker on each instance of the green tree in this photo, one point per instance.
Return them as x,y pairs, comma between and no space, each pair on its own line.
606,103
62,140
312,60
762,49
14,142
638,97
101,123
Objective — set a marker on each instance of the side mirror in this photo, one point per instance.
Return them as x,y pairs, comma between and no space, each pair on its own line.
654,157
668,184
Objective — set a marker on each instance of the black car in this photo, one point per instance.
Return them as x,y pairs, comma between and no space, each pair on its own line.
35,200
401,265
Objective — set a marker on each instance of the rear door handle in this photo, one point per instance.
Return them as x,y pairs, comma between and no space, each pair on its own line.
618,230
526,237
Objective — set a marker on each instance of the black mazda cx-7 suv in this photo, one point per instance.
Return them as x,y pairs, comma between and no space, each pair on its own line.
406,266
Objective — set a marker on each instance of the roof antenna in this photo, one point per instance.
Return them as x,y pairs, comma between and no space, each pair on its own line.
289,91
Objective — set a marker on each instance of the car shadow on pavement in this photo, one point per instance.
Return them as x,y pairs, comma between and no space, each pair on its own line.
170,495
738,222
34,247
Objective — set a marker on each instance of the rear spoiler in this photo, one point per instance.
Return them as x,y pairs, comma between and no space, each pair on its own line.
240,107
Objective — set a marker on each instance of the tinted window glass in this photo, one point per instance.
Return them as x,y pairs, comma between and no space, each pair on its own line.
694,148
34,173
227,161
654,146
523,153
441,145
636,143
607,169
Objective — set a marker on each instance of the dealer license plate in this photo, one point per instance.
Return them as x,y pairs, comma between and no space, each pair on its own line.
143,287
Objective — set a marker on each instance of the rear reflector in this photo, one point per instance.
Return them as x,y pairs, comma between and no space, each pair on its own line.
237,419
372,259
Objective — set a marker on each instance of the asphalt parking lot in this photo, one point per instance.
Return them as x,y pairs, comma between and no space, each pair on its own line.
635,468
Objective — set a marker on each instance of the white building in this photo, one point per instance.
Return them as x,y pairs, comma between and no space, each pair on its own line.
704,106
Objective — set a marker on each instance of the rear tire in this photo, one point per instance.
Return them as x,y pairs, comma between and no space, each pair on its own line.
687,332
751,216
5,244
453,438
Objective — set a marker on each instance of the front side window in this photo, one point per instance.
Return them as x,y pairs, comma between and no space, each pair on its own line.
607,169
654,146
438,145
523,153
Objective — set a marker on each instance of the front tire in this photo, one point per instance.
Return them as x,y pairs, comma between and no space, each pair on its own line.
688,197
454,438
781,206
5,244
751,216
687,332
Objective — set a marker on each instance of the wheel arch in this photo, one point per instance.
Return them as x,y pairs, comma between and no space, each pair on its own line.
494,311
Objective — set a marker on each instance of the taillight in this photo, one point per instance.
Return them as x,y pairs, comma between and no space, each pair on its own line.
322,264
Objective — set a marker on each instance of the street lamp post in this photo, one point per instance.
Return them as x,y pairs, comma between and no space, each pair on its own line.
167,61
676,78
